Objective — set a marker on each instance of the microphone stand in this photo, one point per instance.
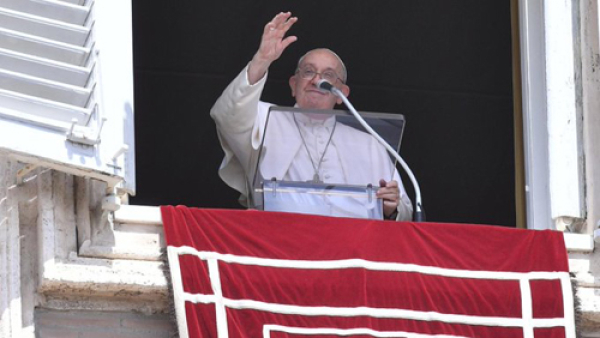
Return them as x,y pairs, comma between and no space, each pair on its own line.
419,212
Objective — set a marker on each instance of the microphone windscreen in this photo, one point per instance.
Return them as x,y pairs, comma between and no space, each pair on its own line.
324,85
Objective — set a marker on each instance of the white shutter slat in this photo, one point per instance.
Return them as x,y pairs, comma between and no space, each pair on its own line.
40,121
14,103
51,9
50,90
29,44
75,2
44,68
43,27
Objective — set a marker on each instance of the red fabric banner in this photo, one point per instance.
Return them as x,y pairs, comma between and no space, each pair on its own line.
266,274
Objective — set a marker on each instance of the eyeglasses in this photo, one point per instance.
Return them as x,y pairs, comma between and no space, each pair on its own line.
309,74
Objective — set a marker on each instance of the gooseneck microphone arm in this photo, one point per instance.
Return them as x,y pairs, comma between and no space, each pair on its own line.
419,212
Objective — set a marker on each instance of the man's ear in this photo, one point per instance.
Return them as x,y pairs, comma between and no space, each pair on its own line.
346,91
292,83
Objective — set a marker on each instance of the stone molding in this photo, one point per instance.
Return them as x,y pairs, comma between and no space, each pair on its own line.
59,250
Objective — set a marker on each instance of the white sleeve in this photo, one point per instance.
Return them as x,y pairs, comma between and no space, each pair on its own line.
236,113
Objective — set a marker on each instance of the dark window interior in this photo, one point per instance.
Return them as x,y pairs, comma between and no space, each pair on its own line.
445,65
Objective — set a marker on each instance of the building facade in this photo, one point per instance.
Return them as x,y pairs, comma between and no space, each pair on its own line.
77,261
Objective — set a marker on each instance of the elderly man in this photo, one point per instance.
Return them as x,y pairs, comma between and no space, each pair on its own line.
240,117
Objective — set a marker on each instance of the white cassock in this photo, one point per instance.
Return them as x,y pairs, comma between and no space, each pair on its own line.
352,156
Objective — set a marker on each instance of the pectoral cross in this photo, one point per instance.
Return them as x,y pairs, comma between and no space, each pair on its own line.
316,179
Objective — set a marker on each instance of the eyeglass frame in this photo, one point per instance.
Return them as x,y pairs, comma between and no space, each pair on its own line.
299,71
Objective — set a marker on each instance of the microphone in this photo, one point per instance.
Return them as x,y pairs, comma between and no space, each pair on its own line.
324,85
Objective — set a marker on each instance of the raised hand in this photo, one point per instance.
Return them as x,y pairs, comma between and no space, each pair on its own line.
272,45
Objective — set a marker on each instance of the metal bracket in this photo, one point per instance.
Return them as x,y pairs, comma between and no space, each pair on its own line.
21,173
274,191
121,151
77,136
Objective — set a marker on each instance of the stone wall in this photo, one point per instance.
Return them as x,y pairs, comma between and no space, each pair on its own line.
11,315
101,324
586,267
62,254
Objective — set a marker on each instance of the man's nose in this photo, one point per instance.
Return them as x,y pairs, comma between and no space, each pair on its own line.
315,80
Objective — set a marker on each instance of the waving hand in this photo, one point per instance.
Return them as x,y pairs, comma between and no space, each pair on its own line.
272,45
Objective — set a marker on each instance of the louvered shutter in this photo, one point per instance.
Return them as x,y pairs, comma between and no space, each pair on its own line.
66,86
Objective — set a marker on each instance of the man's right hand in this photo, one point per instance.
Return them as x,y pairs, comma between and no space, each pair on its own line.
272,45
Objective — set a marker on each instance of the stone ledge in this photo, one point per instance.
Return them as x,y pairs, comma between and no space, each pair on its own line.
579,242
136,234
138,214
90,283
132,252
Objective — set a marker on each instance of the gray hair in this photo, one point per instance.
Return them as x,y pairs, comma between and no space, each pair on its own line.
344,70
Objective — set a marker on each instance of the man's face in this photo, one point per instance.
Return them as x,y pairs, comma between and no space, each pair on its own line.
307,95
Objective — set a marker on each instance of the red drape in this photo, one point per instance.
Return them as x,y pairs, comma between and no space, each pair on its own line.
291,275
